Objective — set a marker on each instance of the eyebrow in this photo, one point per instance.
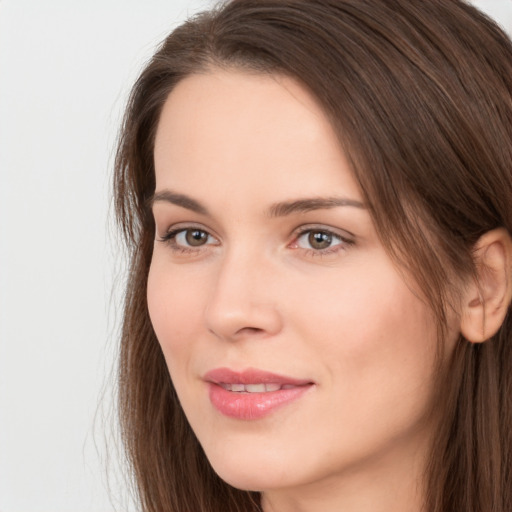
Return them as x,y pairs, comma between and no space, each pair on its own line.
179,200
280,209
310,204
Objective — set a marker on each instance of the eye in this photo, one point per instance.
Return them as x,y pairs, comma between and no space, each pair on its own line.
192,237
188,239
320,241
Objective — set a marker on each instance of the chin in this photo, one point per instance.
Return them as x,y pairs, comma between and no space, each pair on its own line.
250,475
245,482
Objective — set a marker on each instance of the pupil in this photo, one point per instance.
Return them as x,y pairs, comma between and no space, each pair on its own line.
319,240
196,237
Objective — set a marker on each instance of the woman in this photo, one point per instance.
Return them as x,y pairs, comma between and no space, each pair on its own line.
316,198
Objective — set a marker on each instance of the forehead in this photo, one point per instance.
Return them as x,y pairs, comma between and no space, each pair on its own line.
243,129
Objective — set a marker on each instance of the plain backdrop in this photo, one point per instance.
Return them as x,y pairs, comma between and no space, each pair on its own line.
66,67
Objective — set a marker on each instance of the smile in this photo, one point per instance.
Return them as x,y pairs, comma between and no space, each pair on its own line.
254,388
252,394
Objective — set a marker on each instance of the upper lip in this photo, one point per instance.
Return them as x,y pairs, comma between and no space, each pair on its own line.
251,376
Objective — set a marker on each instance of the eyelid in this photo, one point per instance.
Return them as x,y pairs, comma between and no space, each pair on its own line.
184,226
343,234
169,237
344,242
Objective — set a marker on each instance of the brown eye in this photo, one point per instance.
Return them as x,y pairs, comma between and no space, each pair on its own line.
189,238
319,240
195,237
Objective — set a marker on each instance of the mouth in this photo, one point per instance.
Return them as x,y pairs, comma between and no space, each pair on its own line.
252,394
254,388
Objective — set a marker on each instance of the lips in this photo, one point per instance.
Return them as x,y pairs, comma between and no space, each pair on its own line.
254,388
252,394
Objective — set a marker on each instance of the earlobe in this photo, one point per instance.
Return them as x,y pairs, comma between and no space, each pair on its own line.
487,298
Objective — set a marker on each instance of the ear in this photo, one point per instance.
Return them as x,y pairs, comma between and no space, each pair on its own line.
486,299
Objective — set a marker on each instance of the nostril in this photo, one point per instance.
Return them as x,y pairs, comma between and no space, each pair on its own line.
250,330
244,332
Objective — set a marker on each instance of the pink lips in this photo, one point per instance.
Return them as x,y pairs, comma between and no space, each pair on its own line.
252,394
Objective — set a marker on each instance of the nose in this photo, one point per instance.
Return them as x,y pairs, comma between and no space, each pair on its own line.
242,303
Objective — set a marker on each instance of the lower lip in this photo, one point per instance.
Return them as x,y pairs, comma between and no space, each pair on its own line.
252,406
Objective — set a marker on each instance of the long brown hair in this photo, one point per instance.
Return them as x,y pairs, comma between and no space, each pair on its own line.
420,95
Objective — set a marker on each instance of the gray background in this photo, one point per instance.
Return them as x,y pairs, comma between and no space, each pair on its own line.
65,70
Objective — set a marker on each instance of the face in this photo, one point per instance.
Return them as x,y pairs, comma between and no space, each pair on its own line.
298,352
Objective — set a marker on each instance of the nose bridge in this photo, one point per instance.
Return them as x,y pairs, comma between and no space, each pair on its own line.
241,302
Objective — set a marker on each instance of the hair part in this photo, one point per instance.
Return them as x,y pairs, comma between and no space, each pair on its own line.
420,96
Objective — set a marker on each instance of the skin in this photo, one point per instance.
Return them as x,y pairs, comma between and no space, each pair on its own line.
258,294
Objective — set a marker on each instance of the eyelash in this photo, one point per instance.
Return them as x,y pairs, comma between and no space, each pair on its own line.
343,241
170,239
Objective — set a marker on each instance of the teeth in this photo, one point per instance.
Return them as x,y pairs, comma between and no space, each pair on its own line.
254,388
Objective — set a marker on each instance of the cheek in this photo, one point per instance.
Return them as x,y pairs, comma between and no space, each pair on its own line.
175,303
365,304
377,337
